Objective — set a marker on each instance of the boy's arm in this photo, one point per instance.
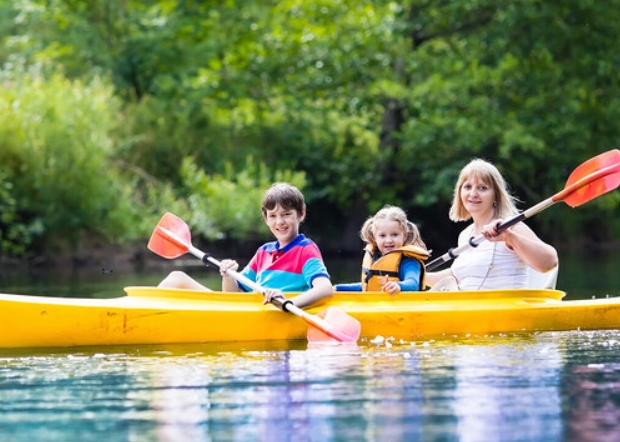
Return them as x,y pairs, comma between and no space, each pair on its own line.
229,284
321,288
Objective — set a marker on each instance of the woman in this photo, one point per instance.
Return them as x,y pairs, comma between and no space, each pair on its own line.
501,261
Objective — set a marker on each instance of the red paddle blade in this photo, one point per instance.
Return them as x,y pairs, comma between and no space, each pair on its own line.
345,327
603,174
166,245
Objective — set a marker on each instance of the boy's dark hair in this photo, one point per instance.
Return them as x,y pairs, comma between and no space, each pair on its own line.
286,195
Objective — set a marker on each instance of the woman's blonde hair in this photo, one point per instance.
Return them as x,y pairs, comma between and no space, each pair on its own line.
504,204
392,213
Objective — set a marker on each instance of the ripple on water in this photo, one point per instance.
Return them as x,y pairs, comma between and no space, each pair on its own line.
516,387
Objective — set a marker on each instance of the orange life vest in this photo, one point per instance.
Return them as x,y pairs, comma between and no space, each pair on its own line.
376,268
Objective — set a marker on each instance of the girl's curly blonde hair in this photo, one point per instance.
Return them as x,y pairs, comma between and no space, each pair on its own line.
392,213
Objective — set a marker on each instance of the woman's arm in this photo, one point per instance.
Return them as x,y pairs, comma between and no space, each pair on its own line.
528,247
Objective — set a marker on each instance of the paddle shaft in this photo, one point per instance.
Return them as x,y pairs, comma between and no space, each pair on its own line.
560,196
476,241
281,303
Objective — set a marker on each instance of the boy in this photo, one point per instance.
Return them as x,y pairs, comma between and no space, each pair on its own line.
292,263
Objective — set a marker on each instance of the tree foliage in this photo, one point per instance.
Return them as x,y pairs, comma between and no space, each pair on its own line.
371,102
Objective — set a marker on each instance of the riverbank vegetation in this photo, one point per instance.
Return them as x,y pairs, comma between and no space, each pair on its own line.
115,112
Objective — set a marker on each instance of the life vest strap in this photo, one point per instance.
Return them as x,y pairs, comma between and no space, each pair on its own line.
370,273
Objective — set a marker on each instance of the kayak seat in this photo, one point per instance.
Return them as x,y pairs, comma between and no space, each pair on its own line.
540,280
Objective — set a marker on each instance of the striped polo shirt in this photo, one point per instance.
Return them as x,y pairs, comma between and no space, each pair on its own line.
291,268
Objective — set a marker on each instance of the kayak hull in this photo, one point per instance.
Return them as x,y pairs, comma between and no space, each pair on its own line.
149,315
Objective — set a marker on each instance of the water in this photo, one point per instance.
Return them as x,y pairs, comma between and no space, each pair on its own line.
547,387
533,387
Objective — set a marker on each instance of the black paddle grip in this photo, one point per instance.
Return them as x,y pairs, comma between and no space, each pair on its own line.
281,303
205,259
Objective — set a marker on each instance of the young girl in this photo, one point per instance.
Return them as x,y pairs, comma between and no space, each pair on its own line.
394,254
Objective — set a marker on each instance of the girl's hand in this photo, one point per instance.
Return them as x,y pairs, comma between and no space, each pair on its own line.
391,287
272,293
228,264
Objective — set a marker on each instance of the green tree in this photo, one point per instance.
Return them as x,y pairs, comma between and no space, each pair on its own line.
373,101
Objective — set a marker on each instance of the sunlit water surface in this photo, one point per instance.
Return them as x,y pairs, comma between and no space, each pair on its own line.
547,387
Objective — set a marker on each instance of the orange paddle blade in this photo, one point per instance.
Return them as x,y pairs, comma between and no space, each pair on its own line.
345,327
601,174
166,245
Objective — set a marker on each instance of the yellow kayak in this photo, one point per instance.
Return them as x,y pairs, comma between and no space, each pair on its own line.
149,315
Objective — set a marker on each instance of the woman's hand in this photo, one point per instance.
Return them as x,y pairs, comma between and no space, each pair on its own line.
489,231
528,247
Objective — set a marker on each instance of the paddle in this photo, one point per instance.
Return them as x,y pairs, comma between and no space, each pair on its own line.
172,239
591,179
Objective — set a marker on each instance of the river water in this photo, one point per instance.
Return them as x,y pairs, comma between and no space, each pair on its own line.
532,387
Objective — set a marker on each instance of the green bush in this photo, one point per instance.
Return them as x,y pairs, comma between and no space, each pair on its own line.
228,205
57,150
14,235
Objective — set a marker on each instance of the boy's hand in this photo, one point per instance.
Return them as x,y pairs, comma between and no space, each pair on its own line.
228,264
272,293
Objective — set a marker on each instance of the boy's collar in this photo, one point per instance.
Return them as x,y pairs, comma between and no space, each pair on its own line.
299,238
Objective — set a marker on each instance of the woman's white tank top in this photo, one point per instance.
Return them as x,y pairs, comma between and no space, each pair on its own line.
490,266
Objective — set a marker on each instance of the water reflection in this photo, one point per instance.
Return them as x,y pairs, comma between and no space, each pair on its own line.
591,387
552,387
175,398
594,403
495,384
